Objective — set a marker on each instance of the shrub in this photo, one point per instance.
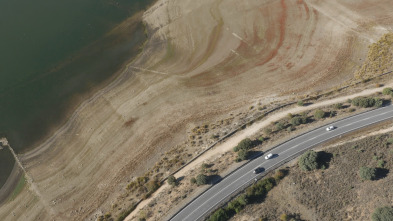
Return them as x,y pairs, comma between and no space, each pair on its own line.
237,204
367,173
296,121
389,141
201,179
267,131
367,102
284,217
219,215
300,103
243,154
152,186
383,214
387,91
193,180
309,161
261,138
172,180
381,163
319,114
378,102
280,126
338,106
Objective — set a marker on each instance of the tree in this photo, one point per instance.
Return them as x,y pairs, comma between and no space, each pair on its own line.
319,114
245,144
387,91
172,180
243,154
309,161
201,179
367,173
219,215
383,214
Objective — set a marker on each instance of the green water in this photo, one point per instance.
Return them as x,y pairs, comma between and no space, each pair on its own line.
52,53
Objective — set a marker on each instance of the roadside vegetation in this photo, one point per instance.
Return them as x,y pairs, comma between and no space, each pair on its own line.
140,189
337,184
256,193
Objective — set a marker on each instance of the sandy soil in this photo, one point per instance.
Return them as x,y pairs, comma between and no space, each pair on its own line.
204,58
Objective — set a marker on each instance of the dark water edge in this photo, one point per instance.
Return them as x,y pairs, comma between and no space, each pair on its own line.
30,111
51,97
7,163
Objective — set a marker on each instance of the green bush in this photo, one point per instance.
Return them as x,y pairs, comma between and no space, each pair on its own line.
319,114
387,91
383,214
367,173
201,179
172,180
309,161
300,103
193,180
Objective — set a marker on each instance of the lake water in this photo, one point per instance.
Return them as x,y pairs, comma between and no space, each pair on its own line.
52,53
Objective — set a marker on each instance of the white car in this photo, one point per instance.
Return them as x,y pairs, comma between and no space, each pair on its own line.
270,155
330,128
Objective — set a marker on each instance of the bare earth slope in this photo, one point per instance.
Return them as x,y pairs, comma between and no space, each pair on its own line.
204,58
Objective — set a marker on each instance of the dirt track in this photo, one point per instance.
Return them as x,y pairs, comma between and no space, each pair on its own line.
203,59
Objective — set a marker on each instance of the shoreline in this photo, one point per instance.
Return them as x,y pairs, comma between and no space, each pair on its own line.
57,129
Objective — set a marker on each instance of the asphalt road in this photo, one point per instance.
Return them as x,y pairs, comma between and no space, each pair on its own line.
201,206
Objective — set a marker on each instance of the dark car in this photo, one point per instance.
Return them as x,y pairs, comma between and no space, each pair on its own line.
258,170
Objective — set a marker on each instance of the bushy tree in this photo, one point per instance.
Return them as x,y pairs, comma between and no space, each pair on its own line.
383,214
309,161
367,173
201,179
172,180
319,114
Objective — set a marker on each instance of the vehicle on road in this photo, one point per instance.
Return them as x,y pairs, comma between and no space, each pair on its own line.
330,128
270,155
258,170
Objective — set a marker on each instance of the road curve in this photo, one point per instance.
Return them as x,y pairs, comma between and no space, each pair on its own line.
201,206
